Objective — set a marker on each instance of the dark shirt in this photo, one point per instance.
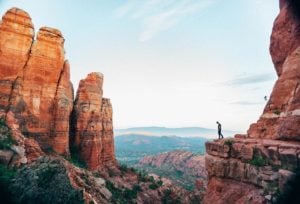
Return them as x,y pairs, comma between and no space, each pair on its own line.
219,127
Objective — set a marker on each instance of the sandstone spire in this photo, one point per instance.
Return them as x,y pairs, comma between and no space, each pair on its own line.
92,133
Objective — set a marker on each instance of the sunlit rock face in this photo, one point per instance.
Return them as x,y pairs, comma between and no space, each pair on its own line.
281,116
92,131
47,92
16,38
253,168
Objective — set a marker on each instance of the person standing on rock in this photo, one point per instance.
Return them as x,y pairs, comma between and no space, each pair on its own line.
220,130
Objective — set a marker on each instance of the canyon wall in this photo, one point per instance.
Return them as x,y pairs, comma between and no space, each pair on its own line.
253,168
35,88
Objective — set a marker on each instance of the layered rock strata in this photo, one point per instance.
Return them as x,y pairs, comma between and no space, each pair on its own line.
35,88
92,123
281,116
261,161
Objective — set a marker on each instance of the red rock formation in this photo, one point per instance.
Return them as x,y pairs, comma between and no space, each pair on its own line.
281,116
35,86
180,160
261,162
16,38
30,83
41,84
227,191
108,147
92,123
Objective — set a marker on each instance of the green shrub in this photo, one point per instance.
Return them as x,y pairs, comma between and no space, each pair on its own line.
75,158
168,197
142,176
277,111
123,168
46,181
137,188
258,161
229,142
6,176
160,183
129,194
153,186
6,140
122,195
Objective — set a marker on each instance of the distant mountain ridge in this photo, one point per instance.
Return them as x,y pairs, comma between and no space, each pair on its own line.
180,132
131,148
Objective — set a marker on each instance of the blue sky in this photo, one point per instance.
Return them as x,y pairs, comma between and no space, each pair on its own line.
168,62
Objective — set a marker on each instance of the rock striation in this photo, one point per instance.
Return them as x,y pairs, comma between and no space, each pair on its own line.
35,88
92,123
254,168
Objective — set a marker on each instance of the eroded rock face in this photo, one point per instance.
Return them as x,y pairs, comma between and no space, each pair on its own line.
92,123
281,116
228,191
35,87
16,38
261,162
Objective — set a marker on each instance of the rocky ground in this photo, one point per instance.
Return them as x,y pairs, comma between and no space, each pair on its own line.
183,168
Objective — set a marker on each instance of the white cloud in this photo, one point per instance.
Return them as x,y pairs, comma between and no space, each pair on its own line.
160,15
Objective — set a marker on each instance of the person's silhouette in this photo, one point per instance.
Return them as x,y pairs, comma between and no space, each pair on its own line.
220,130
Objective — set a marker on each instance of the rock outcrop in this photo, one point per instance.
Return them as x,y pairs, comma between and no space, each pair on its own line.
182,167
35,88
281,116
254,168
92,123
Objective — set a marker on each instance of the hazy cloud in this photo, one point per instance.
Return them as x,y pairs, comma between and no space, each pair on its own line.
160,15
253,79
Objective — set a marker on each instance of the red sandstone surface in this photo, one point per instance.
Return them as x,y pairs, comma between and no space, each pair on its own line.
253,168
35,88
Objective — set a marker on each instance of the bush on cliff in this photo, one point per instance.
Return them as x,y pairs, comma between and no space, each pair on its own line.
125,195
46,181
6,176
5,136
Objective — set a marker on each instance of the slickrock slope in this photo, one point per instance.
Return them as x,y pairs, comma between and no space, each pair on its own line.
254,168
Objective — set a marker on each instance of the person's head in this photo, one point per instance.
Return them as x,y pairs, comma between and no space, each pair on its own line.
217,122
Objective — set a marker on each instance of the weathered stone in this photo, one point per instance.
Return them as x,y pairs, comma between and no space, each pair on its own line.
240,136
16,37
284,39
217,149
221,191
284,176
92,123
63,105
216,166
288,158
242,151
274,158
6,156
42,73
281,116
